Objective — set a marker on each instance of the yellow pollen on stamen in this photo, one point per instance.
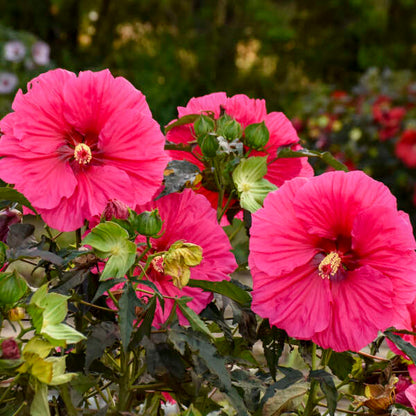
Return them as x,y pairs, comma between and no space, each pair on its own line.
82,154
329,265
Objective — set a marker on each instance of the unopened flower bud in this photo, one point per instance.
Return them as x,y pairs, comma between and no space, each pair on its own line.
8,217
256,135
209,145
203,125
229,128
148,223
16,314
10,349
115,209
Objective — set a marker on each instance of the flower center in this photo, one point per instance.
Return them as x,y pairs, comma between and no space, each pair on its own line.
329,265
82,154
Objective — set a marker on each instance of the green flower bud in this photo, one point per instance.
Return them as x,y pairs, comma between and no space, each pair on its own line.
209,145
229,128
203,125
256,135
148,223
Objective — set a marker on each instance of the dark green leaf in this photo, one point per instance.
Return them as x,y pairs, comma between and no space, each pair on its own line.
10,194
189,118
225,288
127,313
273,343
326,381
102,336
404,346
105,287
216,364
146,325
341,364
286,152
21,235
194,320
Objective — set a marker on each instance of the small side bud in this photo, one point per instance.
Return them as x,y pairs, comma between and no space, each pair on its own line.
16,314
203,125
256,135
115,209
209,145
10,349
148,223
229,128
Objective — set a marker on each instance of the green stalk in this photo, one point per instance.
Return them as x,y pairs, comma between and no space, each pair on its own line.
66,397
311,403
124,384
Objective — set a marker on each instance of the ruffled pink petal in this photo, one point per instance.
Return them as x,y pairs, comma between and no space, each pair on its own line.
38,122
54,179
180,134
278,242
96,187
246,110
209,102
298,302
93,97
362,307
282,170
329,203
410,393
282,132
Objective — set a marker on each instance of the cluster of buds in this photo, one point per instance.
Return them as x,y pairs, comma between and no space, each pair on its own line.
226,136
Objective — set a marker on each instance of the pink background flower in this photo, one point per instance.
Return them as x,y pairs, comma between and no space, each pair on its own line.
332,259
75,142
246,111
406,148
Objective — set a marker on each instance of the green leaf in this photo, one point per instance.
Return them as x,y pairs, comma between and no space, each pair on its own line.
326,381
40,404
10,194
252,199
285,401
12,287
341,364
226,288
286,152
194,320
404,346
112,241
63,332
7,364
189,118
127,313
58,371
55,308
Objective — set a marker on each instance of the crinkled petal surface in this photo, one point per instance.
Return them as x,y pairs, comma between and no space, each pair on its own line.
189,217
123,146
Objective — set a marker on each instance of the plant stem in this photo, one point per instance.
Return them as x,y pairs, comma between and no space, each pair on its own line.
124,384
66,397
19,409
78,237
97,306
311,403
374,357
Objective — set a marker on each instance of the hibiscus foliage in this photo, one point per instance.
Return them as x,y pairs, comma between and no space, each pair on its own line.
239,283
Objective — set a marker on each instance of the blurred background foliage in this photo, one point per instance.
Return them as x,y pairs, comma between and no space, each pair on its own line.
175,49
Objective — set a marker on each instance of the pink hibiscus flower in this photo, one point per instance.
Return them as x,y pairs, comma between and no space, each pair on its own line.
388,117
332,259
73,143
188,217
245,111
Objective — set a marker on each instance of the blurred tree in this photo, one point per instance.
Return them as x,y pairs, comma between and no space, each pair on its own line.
175,49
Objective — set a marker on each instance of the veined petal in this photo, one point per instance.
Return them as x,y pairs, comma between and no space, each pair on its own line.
246,110
288,245
362,306
210,102
301,293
